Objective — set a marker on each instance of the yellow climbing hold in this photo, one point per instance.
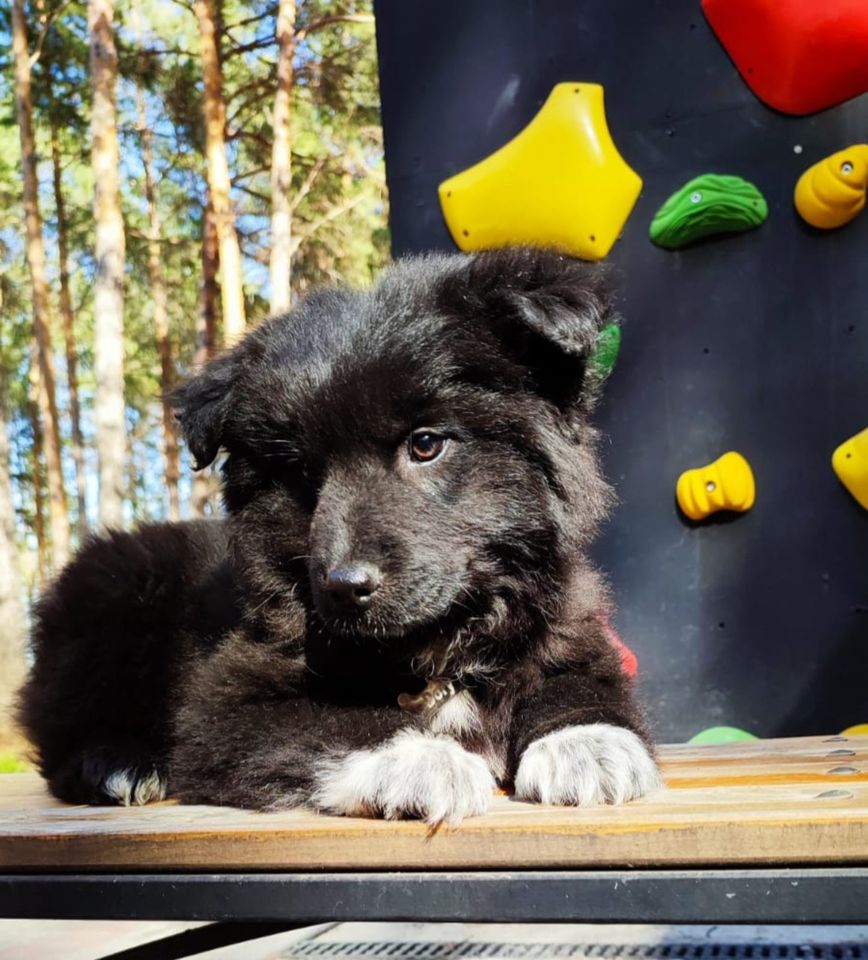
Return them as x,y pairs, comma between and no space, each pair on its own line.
857,730
559,183
850,462
725,484
832,192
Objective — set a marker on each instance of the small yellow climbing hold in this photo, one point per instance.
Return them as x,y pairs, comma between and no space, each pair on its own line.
725,484
832,192
850,462
559,183
857,730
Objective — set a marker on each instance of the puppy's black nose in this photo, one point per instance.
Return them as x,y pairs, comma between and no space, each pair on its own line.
355,584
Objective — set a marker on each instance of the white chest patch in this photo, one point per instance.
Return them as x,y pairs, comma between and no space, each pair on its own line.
457,716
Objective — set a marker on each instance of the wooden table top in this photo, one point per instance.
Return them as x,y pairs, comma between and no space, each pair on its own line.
770,802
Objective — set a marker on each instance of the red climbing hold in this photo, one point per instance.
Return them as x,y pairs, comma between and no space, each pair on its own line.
798,56
629,661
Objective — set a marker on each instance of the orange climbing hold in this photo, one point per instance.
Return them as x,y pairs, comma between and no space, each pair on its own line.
798,56
559,183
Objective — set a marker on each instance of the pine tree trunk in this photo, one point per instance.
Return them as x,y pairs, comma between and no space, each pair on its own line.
203,486
68,320
46,394
281,162
12,622
206,319
37,472
231,289
108,289
161,315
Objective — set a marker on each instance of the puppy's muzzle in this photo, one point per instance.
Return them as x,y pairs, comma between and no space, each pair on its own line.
353,584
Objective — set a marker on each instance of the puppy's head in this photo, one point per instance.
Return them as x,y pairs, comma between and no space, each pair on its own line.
415,460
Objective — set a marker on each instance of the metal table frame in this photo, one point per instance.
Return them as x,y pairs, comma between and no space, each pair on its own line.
248,906
758,895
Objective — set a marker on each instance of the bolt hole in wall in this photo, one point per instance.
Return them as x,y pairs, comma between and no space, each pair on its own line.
743,345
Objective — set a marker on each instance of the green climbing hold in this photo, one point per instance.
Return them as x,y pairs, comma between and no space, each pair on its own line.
721,735
712,203
602,360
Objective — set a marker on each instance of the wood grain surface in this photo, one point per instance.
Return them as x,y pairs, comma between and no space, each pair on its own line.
783,802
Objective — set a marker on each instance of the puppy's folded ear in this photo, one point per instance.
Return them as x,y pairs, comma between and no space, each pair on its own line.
201,406
546,308
564,300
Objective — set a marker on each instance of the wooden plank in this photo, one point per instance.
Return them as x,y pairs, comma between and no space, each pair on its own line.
781,748
772,802
804,759
799,799
832,761
761,752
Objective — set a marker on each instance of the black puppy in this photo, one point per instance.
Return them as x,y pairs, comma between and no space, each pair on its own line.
399,610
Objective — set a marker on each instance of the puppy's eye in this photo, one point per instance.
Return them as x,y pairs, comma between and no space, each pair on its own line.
426,446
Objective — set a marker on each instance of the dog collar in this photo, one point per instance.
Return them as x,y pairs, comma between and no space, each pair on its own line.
434,694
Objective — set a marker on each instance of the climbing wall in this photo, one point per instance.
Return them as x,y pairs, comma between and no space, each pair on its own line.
756,342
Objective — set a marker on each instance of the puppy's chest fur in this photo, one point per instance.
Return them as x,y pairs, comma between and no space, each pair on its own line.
460,716
477,717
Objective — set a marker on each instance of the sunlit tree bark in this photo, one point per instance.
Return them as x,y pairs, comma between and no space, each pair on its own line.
281,162
110,251
45,384
67,318
161,313
203,487
214,108
206,319
12,623
37,472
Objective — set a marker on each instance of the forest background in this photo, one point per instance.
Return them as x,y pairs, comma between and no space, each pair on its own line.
171,172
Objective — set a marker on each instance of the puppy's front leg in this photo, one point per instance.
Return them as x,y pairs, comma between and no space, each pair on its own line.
579,739
253,733
414,774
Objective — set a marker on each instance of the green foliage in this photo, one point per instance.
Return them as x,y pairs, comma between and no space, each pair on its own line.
11,762
338,185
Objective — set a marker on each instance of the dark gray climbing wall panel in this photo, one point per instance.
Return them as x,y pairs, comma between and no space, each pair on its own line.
757,343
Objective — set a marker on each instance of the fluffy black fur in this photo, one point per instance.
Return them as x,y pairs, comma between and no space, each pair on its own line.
211,653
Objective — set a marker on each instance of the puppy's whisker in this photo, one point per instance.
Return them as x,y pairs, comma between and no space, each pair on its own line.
266,601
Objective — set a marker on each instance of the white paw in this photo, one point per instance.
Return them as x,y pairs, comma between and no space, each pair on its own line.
583,765
414,775
125,787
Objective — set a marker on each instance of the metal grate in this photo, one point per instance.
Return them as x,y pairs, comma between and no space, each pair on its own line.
602,951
